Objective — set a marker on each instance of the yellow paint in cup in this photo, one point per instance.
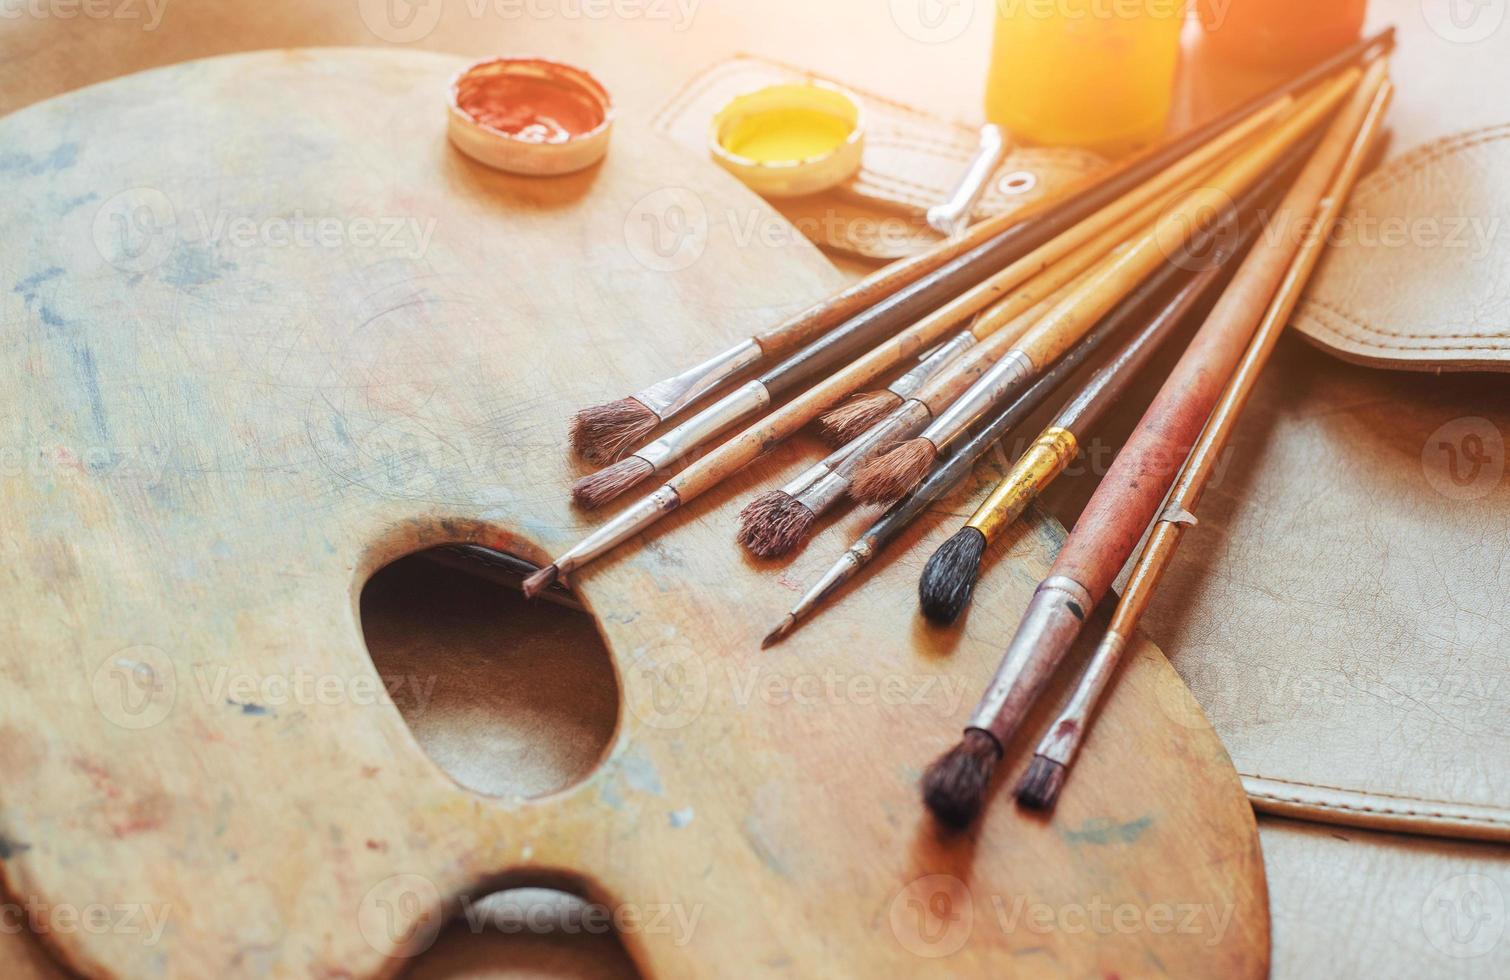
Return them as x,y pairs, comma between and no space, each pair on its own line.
788,140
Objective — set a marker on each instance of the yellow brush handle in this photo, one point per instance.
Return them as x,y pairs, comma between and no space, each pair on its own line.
1035,469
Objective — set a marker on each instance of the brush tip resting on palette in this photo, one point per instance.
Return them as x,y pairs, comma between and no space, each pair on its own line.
954,786
773,524
950,575
1040,785
604,433
597,489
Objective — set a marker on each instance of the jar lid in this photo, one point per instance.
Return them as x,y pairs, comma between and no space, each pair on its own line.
790,139
529,115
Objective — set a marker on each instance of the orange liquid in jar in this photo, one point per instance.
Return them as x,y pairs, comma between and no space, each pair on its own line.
1281,32
1091,73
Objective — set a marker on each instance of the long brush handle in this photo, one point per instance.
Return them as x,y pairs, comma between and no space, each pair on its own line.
1139,478
1064,736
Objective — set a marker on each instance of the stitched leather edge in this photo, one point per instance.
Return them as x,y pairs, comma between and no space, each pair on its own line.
1323,322
1377,811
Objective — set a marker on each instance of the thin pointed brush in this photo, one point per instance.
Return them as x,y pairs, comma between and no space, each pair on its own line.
1124,503
713,468
1189,222
755,396
1041,783
905,289
950,574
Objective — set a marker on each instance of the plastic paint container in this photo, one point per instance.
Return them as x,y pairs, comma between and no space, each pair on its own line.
788,140
1097,74
529,115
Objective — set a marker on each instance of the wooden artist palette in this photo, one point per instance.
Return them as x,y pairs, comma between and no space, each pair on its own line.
265,331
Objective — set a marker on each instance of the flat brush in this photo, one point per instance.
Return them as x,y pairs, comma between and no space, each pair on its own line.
949,576
944,478
884,301
1045,776
713,468
1120,510
864,410
890,475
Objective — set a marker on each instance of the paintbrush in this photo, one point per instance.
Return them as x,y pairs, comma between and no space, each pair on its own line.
713,468
883,302
954,786
949,576
1040,786
755,396
864,410
1132,309
888,476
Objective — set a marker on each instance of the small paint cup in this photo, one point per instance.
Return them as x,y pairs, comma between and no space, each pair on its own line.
529,116
791,139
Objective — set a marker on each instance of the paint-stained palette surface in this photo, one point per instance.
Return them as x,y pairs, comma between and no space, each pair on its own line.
265,331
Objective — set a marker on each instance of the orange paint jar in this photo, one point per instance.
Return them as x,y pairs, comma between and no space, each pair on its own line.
1280,32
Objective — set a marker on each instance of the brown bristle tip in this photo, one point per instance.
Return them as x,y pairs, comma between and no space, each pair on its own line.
597,489
887,478
604,433
954,786
1040,785
857,415
540,581
773,524
949,577
778,634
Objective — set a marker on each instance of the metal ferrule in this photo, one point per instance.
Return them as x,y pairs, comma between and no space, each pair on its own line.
807,478
620,529
1047,631
824,493
667,398
993,387
742,402
1068,730
846,568
910,383
1035,469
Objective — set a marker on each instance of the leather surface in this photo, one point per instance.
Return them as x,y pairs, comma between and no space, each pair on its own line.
912,161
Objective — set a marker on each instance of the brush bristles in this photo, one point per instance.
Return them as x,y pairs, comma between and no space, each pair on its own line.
599,488
1040,785
540,581
778,634
773,524
858,415
604,433
949,577
888,477
954,786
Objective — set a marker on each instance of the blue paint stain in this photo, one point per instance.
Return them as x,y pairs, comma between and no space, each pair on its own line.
89,373
63,156
1102,831
27,288
10,848
640,774
195,265
74,203
248,707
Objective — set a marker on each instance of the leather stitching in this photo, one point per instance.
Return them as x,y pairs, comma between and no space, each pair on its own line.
1503,821
1324,316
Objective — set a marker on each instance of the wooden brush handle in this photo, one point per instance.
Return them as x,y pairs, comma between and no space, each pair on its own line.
1125,502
